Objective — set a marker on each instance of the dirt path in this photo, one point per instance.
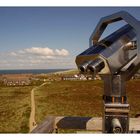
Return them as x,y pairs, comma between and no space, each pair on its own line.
32,122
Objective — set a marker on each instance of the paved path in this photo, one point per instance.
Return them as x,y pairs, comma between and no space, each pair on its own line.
32,122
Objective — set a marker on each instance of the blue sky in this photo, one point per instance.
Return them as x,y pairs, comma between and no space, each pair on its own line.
49,37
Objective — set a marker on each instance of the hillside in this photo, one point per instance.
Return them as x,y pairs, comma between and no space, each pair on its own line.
79,98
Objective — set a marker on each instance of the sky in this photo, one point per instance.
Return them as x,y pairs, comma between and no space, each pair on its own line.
49,37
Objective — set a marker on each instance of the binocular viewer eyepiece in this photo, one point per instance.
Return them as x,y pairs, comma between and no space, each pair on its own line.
115,58
111,54
94,66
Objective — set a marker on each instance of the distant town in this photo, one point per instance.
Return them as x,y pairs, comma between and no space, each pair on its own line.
29,79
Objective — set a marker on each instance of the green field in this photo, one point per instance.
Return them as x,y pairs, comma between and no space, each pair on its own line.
78,98
57,98
14,109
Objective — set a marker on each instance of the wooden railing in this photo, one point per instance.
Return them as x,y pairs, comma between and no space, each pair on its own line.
51,124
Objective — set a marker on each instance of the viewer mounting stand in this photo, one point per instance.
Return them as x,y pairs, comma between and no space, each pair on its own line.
116,58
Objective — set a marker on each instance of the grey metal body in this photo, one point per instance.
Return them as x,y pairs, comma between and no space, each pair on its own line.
116,59
112,50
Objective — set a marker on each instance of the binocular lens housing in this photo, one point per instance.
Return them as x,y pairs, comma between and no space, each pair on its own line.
83,67
96,66
93,66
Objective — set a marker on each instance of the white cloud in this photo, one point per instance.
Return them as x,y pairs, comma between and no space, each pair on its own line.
46,51
36,57
13,53
40,51
21,52
62,52
47,57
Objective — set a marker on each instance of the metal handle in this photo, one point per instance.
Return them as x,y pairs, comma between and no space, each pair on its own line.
103,23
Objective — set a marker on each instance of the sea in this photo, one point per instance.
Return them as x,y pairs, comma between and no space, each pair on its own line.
31,71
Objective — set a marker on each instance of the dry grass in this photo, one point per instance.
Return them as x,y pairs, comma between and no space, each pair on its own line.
14,109
69,98
79,98
133,92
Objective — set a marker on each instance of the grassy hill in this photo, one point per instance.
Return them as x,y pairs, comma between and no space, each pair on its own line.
79,98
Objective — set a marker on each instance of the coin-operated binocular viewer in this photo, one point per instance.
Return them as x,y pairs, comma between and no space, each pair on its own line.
116,58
